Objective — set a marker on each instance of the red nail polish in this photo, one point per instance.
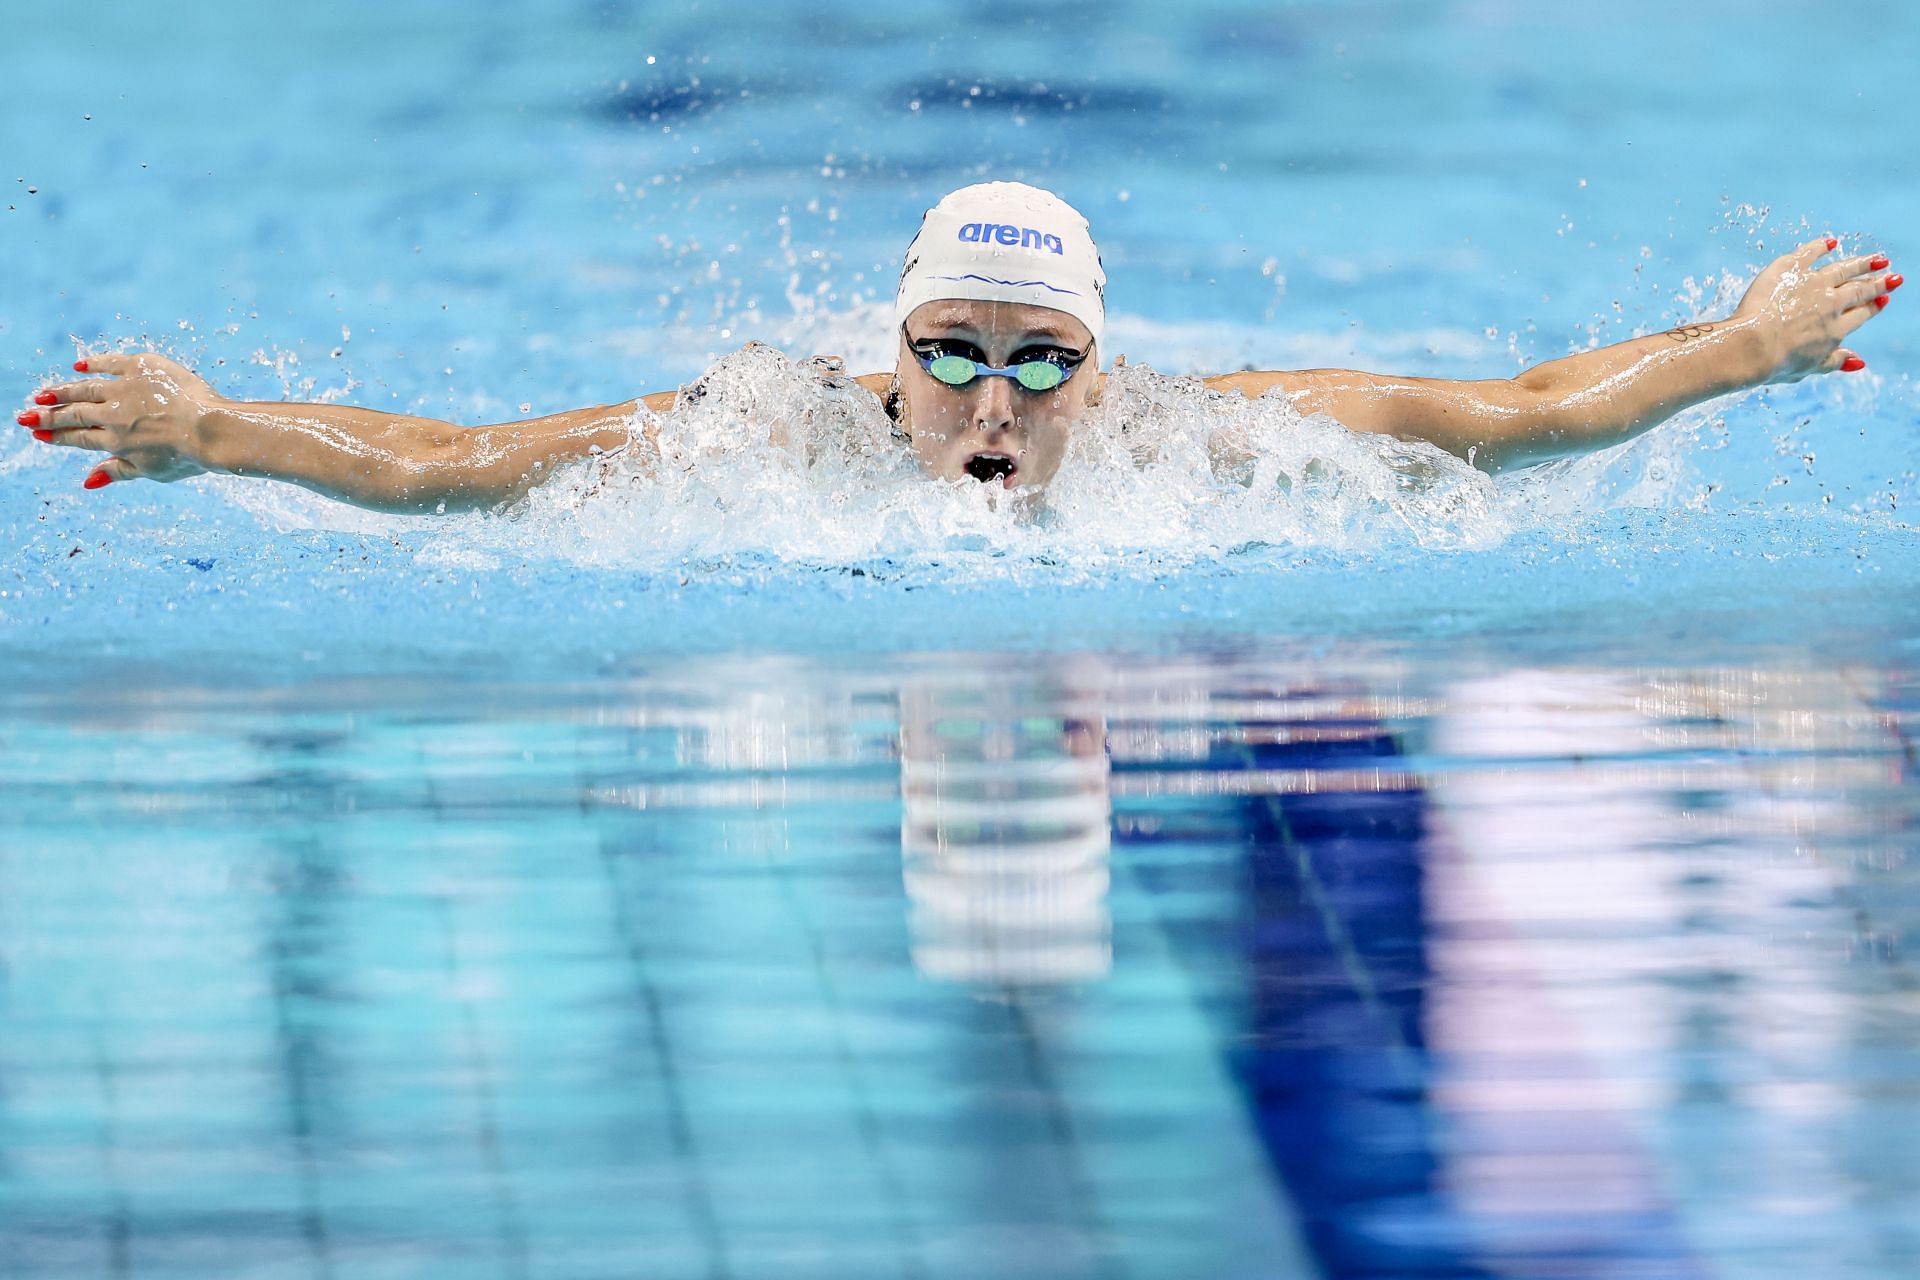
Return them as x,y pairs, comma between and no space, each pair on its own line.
1878,262
98,480
27,418
80,366
1880,303
1832,243
44,437
45,397
1894,282
1852,364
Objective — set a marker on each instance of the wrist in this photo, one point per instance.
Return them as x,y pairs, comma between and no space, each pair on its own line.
1754,353
219,437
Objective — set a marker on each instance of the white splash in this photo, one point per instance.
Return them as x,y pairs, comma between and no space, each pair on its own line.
765,456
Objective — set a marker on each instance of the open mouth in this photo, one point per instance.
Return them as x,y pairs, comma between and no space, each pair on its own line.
988,467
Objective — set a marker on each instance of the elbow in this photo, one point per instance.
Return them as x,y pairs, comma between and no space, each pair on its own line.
470,470
1539,405
1541,380
1528,419
425,473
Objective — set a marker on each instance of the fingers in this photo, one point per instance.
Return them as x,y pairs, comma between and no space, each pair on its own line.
1811,252
1873,295
67,416
77,438
109,471
70,416
96,390
123,364
60,432
75,426
54,407
1862,300
1846,269
1843,361
1860,293
117,363
113,469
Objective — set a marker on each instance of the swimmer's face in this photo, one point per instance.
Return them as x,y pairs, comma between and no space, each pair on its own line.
978,430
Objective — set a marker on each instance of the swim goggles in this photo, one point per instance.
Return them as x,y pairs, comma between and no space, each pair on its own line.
958,371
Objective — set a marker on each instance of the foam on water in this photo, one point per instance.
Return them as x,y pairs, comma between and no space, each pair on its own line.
767,456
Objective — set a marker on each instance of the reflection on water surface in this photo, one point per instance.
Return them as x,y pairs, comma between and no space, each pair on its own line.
967,966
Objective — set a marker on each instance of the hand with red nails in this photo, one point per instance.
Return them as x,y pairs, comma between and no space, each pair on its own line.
1800,312
148,415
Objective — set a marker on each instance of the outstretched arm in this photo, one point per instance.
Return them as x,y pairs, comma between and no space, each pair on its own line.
160,421
1790,324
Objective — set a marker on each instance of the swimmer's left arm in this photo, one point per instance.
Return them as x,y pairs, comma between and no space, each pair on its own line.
1789,324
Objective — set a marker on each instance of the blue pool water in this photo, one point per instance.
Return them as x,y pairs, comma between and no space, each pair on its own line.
793,868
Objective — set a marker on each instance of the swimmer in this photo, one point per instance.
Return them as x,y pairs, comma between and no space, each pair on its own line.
1000,322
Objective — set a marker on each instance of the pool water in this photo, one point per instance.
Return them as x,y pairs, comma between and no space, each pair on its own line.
783,865
1243,964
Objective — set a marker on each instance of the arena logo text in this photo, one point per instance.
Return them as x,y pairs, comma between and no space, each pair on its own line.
1004,233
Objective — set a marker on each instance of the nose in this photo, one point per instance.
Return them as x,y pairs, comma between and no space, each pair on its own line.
993,406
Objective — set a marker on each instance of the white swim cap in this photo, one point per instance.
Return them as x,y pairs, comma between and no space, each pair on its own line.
1005,242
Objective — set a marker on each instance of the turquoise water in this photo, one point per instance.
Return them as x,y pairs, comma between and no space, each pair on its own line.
792,868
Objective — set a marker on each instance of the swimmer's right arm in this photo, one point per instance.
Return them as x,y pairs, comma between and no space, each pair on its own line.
159,420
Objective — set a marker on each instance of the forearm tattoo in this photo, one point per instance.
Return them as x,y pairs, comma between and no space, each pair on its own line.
1687,333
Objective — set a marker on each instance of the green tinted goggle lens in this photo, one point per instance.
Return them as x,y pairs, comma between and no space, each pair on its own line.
1034,375
1040,375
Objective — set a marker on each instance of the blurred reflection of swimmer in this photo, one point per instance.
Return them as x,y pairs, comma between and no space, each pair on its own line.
1005,832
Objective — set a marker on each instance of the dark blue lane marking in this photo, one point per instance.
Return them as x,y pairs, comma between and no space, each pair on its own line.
1328,1043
